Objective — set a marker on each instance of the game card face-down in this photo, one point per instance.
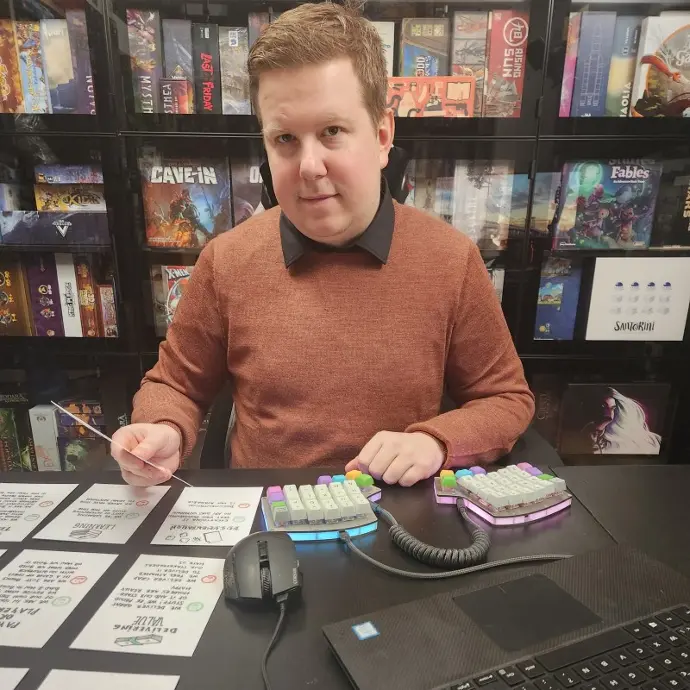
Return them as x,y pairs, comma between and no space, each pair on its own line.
39,590
24,506
161,606
104,514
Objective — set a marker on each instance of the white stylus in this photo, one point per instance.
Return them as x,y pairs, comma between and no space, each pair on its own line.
115,443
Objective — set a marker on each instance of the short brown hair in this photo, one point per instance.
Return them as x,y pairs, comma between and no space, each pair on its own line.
313,34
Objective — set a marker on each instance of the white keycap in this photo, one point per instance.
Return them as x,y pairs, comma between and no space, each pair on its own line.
290,491
347,507
298,513
558,483
362,505
314,509
331,511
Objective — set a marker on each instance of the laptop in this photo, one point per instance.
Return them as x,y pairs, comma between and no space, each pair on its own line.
607,620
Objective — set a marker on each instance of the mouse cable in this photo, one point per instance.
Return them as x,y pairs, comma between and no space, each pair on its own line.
469,558
282,602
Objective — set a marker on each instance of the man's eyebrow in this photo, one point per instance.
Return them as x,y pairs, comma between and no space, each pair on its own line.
328,119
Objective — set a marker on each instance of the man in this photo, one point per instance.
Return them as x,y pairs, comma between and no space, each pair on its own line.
339,316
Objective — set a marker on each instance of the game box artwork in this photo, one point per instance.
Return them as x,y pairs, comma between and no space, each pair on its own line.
662,79
186,202
602,419
558,297
431,96
607,204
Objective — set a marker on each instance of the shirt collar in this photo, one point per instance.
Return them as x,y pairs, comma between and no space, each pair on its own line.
376,239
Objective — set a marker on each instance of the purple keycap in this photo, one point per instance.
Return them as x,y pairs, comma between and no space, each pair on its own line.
534,471
277,496
524,466
324,479
274,490
477,470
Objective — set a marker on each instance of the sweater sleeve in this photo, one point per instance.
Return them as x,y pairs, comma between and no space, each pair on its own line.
192,361
484,376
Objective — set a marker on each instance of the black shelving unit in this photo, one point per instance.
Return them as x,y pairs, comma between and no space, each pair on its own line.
537,141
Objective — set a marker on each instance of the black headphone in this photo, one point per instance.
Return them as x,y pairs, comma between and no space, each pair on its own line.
394,173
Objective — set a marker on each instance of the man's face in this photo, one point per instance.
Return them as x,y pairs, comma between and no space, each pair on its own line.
324,152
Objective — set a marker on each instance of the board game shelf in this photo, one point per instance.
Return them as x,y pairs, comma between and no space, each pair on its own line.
525,152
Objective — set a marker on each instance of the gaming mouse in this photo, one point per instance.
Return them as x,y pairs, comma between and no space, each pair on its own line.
262,567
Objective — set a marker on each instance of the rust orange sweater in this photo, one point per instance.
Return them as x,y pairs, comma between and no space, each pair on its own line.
326,353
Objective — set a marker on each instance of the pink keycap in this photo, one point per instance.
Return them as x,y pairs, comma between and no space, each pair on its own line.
524,466
274,490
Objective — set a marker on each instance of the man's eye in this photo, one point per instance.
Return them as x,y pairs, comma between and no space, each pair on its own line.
332,130
284,138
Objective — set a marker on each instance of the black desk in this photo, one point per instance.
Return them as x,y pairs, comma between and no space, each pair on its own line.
646,506
337,585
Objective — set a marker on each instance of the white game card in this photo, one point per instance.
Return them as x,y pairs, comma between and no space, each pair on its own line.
88,680
161,606
105,513
24,506
10,677
210,516
39,590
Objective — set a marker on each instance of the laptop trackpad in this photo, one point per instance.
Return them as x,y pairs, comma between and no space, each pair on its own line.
525,612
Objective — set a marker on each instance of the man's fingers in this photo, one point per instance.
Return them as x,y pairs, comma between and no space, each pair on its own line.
382,460
367,454
397,469
412,476
136,479
352,465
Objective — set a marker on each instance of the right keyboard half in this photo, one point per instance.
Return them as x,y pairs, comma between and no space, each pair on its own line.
650,654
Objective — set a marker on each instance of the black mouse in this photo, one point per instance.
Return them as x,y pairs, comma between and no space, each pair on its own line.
262,567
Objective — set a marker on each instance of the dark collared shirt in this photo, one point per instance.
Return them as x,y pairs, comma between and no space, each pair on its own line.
376,239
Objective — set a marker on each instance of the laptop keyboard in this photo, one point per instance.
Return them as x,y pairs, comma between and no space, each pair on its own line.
651,654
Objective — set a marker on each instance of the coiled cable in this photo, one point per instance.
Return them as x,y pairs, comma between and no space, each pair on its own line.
469,558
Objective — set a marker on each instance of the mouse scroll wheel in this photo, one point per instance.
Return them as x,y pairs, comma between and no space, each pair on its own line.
266,585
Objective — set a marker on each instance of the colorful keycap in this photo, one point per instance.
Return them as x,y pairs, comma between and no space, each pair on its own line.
448,482
324,479
534,471
274,490
339,478
545,477
477,470
463,473
276,496
352,474
446,473
524,466
364,480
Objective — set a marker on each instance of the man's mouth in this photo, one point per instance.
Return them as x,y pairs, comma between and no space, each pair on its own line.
316,198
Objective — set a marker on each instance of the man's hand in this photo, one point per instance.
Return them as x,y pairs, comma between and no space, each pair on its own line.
400,458
157,443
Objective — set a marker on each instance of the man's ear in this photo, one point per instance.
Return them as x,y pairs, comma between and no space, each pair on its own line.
385,134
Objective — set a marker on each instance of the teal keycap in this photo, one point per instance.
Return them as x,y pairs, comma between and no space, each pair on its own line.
339,478
463,473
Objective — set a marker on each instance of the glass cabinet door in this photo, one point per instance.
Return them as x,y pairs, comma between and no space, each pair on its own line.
466,67
54,67
618,68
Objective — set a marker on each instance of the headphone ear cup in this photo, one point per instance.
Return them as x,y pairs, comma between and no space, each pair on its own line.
266,584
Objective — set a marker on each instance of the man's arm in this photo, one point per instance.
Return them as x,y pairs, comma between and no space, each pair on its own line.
192,361
484,376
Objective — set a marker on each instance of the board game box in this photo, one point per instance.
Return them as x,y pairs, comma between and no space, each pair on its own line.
81,61
11,97
44,295
246,185
206,56
424,47
89,173
558,297
234,49
57,228
607,204
66,197
662,78
178,62
431,96
57,58
31,68
167,285
470,31
15,317
175,96
186,202
144,32
616,419
505,72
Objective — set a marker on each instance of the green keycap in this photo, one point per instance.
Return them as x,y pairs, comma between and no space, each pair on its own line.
448,482
279,504
364,480
545,477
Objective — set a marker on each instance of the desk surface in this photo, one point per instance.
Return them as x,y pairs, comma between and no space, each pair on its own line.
646,506
337,585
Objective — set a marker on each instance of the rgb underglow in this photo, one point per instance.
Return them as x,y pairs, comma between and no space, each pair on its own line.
324,534
517,519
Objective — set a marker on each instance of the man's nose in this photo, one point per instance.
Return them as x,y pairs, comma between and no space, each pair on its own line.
312,165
